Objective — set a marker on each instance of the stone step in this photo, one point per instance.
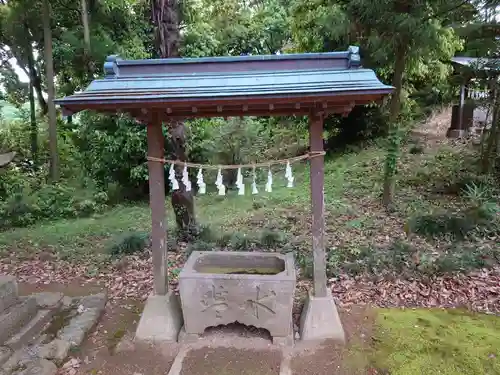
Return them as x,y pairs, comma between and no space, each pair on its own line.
5,354
8,292
15,317
31,331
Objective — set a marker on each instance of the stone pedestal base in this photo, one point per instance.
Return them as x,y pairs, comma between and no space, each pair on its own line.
320,319
456,133
161,319
190,338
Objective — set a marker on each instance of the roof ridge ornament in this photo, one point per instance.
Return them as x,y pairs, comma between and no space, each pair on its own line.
110,67
354,57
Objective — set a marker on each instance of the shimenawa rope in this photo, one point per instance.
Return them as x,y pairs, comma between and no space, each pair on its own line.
309,155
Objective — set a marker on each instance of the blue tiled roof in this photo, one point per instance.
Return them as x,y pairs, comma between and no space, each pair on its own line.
132,83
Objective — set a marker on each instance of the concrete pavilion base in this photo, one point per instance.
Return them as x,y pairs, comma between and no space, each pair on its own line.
320,319
161,319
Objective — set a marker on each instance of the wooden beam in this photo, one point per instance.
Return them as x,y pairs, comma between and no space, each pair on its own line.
317,204
221,103
157,203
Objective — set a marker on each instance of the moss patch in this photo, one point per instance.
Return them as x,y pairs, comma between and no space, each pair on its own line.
451,342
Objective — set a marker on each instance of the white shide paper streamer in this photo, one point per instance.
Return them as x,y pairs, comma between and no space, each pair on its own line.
289,175
254,183
202,187
269,184
239,183
219,183
172,179
185,179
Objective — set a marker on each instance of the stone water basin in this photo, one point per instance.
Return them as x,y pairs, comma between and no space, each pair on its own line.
251,288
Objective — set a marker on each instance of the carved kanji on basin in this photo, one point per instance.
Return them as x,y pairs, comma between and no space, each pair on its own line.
255,289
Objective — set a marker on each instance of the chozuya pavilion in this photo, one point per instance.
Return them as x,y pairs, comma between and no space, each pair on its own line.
159,91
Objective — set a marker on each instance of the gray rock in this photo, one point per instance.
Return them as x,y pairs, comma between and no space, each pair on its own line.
95,301
8,292
79,326
56,349
67,302
48,300
21,359
38,367
13,319
31,331
5,353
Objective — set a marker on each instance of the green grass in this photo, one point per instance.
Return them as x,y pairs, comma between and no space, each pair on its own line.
84,237
436,342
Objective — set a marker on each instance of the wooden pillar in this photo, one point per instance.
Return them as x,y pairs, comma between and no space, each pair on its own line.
317,204
157,203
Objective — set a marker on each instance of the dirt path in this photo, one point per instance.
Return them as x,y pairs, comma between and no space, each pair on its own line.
333,358
228,361
98,354
229,350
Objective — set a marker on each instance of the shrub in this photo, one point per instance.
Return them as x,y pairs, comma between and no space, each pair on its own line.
241,241
416,149
26,198
482,219
435,225
129,243
363,123
112,151
199,246
403,259
269,238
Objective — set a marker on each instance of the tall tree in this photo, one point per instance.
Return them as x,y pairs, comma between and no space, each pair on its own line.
49,70
165,15
17,40
408,31
399,36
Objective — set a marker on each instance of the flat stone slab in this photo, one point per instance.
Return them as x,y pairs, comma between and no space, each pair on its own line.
48,300
5,353
29,333
222,361
20,359
8,292
94,301
14,318
79,326
90,309
38,367
56,350
252,288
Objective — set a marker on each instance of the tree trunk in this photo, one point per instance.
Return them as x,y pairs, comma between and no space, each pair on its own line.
33,127
36,80
393,148
37,85
49,67
33,124
86,38
489,152
166,21
86,28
